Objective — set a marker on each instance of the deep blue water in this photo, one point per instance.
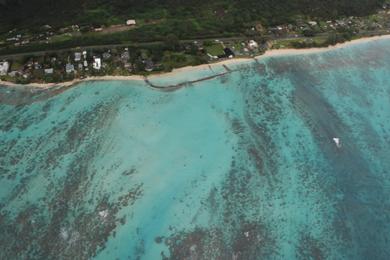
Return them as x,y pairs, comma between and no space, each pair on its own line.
241,166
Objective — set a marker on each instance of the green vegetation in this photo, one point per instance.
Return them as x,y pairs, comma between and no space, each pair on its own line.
191,17
157,19
214,48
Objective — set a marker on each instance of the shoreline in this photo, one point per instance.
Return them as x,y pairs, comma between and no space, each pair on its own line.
267,54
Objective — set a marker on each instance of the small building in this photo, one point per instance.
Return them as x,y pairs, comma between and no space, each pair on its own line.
131,22
46,27
77,56
49,71
259,27
312,23
85,54
4,67
128,66
85,63
14,73
106,55
11,39
69,68
253,44
97,63
149,65
125,56
37,66
228,53
80,66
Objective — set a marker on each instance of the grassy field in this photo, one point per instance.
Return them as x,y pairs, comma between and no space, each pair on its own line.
214,49
295,43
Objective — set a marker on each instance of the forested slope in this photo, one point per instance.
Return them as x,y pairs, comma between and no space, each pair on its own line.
31,13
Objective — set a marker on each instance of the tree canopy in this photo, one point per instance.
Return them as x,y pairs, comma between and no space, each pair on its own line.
33,13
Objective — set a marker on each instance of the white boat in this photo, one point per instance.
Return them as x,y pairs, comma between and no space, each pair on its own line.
337,142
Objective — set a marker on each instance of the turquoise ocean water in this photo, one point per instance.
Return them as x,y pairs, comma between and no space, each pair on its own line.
241,166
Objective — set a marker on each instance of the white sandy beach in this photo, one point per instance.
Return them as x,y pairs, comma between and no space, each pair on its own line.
285,52
269,53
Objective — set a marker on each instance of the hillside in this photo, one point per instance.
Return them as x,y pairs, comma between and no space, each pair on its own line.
198,15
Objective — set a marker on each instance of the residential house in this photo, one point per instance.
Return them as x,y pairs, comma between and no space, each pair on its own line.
14,73
253,44
46,27
37,66
97,63
69,68
106,55
131,22
125,56
77,56
49,71
228,53
4,67
149,65
128,66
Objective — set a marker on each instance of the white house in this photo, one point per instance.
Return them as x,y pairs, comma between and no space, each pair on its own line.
49,71
77,56
252,44
97,63
131,22
4,67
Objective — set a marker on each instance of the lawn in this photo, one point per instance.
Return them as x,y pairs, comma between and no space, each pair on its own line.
215,49
61,37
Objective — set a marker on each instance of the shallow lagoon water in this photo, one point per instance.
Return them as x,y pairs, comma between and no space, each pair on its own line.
242,166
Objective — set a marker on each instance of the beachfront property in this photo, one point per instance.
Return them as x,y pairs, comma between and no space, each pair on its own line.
14,73
149,65
49,71
69,68
253,44
106,55
77,56
228,53
4,67
97,63
125,56
37,66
